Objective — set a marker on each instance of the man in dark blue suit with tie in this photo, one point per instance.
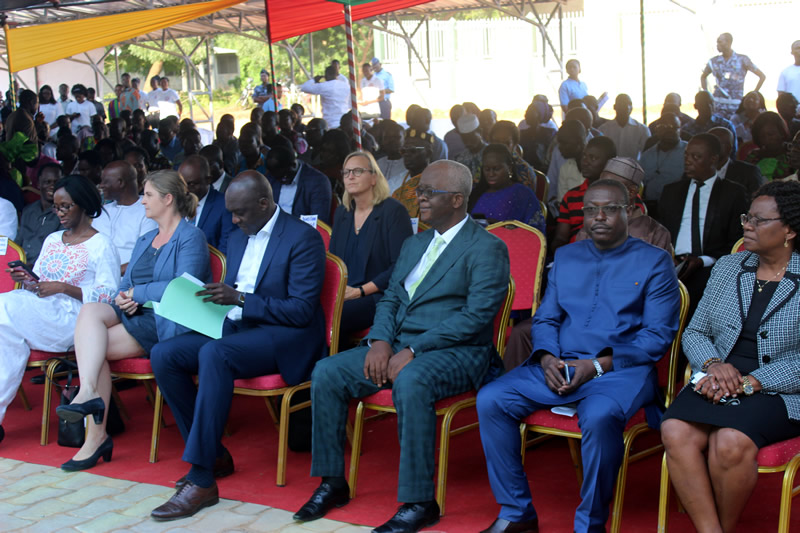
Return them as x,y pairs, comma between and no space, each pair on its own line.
276,267
299,189
211,216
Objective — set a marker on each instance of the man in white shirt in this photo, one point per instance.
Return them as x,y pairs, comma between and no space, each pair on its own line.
392,165
789,80
123,220
80,112
628,134
211,215
334,94
702,214
169,101
63,98
371,93
151,99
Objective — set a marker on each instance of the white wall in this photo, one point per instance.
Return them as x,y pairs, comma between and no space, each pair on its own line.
58,72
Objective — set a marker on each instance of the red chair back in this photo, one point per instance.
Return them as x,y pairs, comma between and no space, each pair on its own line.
527,249
218,265
31,194
325,231
13,253
332,299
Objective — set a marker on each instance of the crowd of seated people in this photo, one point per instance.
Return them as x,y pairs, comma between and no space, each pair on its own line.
134,202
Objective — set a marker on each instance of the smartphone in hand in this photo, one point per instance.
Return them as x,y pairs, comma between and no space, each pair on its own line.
26,268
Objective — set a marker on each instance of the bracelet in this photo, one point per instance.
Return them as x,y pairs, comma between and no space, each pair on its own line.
362,291
710,361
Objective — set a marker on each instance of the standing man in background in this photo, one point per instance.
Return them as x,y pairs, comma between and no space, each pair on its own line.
729,69
388,88
789,81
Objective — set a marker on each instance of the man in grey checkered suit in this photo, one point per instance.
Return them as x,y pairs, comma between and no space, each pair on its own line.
432,338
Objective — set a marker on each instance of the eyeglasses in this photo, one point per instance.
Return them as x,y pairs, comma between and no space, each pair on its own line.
428,192
608,210
64,208
357,171
754,220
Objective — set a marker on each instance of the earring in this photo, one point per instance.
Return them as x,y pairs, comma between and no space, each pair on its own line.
786,241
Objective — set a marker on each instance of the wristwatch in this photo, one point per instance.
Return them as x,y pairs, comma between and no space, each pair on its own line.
240,301
598,368
747,387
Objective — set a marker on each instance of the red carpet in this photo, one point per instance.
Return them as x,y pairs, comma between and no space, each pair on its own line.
470,505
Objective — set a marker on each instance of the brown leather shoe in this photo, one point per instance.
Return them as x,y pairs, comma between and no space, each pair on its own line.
186,501
223,467
504,526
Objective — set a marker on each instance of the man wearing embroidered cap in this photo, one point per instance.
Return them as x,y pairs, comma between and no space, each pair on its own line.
609,313
469,127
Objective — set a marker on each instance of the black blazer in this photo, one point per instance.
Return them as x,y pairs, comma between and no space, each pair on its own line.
313,196
722,226
745,174
389,226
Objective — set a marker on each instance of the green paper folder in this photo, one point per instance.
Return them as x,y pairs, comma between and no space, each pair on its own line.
180,305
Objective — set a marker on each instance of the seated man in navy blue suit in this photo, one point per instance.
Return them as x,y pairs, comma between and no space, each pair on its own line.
276,267
609,313
211,216
298,188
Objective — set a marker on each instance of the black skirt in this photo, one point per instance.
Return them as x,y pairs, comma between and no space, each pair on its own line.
762,417
141,326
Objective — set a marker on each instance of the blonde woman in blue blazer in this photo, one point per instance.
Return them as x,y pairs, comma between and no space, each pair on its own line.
745,338
127,328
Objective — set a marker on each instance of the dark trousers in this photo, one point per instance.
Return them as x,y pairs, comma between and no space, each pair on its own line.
520,345
201,412
386,109
358,314
510,398
426,379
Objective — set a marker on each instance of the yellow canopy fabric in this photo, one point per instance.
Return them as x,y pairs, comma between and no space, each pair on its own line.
31,46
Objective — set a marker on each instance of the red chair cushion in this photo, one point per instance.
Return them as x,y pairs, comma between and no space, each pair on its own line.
779,453
38,355
270,382
384,399
547,418
133,365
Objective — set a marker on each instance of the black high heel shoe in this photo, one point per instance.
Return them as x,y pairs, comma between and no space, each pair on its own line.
104,451
75,412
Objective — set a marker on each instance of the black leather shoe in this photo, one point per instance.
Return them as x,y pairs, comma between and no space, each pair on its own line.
186,501
223,467
410,518
75,412
324,499
104,451
2,433
504,526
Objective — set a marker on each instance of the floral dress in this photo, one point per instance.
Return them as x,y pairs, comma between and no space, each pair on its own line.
30,322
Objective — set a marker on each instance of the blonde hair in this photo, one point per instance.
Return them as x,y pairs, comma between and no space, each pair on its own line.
380,191
170,182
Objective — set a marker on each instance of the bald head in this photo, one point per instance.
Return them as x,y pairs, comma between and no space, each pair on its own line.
582,115
197,175
118,182
443,210
457,177
249,200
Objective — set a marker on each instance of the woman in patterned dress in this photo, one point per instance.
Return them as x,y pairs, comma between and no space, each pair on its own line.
76,266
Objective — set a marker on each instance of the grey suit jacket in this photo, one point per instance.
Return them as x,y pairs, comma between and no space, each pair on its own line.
454,306
721,314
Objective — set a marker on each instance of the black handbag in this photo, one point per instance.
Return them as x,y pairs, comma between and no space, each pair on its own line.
73,434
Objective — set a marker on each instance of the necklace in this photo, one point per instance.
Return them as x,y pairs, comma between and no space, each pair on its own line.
76,239
761,287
